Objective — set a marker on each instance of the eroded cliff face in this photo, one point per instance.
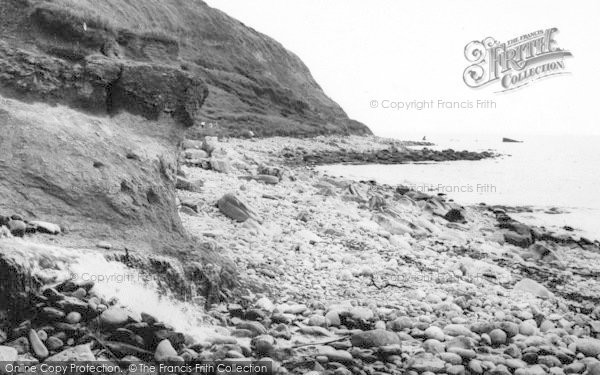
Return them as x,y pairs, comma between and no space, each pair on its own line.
252,82
99,178
96,96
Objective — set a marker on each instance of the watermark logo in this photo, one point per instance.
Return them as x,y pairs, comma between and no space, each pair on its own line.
515,63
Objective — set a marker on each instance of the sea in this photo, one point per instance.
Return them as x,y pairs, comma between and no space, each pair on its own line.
553,180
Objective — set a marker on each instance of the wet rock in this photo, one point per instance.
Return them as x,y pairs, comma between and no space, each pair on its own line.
122,349
235,310
42,334
454,216
235,209
176,338
148,318
17,227
255,314
37,345
164,351
69,329
53,343
73,317
70,303
374,338
263,344
114,317
77,353
52,313
70,286
80,293
255,327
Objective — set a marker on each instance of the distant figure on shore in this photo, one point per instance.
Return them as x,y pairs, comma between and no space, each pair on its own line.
424,138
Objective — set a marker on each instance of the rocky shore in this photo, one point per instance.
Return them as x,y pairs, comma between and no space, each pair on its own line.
336,276
392,156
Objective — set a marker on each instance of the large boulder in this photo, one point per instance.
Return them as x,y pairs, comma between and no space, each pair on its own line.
235,209
533,287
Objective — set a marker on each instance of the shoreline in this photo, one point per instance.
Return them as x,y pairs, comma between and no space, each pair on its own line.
391,279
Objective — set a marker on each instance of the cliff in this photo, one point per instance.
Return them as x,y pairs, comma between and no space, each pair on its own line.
95,97
252,82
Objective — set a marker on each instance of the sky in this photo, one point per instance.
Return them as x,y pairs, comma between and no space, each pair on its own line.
389,51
